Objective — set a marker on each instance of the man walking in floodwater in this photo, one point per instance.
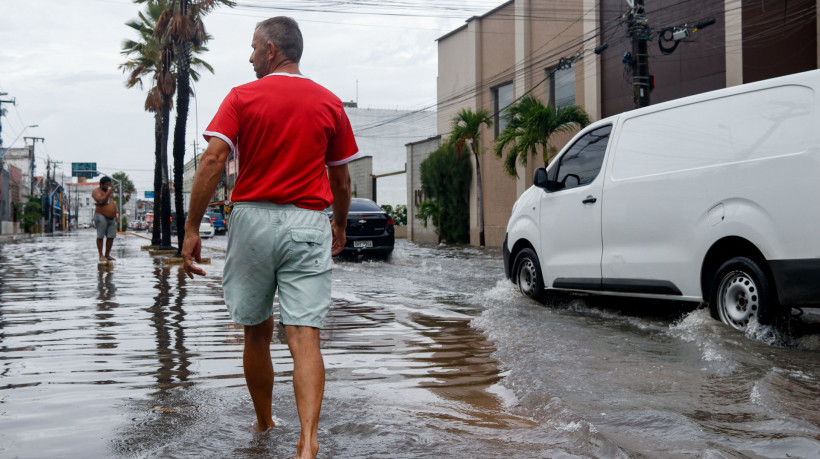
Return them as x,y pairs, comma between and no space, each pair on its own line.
293,141
105,212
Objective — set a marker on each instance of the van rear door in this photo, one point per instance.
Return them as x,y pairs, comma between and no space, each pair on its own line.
570,215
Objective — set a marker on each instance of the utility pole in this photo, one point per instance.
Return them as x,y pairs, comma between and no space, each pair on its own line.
33,143
2,112
641,33
47,196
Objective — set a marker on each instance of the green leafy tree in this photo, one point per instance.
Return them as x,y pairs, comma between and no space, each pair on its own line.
431,210
127,188
181,26
466,133
445,179
398,213
530,125
28,213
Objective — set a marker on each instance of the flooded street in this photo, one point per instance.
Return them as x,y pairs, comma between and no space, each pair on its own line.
432,354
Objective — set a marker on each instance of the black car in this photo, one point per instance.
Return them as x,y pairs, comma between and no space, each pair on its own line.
369,230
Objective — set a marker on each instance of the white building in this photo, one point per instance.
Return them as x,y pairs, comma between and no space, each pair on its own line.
382,134
81,205
23,159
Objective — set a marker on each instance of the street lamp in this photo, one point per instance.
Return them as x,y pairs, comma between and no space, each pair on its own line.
6,150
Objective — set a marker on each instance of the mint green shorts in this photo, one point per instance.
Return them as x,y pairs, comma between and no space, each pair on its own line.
280,246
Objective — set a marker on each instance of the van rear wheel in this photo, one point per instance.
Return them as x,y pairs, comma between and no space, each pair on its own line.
528,275
741,293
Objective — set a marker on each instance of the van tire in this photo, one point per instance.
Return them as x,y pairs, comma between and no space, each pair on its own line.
528,276
741,291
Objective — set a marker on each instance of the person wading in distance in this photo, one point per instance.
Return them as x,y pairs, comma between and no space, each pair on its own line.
105,212
292,141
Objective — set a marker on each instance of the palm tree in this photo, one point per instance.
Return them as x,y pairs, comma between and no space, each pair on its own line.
152,56
466,131
530,124
148,57
181,25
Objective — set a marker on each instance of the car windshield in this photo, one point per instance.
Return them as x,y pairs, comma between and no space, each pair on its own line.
364,205
206,220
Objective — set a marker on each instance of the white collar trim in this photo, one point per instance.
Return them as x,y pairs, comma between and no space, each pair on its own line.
294,75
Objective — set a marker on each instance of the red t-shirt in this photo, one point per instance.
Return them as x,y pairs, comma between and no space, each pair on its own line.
283,129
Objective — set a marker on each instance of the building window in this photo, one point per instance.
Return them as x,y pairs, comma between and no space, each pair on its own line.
562,86
502,98
88,201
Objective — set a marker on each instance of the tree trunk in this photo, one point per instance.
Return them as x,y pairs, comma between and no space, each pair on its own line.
156,235
165,219
480,197
183,99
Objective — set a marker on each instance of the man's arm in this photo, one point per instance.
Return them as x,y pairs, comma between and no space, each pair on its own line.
101,197
205,181
340,187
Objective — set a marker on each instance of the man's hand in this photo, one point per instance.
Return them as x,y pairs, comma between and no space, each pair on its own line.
192,248
339,238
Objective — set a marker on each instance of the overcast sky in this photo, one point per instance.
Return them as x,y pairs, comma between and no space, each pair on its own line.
59,60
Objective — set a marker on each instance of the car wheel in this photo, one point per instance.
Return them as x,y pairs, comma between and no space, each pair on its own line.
528,275
742,292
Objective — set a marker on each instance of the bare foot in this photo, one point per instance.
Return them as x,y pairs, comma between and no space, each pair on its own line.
302,452
109,258
258,428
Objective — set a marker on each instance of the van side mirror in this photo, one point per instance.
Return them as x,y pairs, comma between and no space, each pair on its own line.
540,179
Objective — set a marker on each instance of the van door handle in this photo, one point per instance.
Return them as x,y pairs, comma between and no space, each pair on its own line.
590,200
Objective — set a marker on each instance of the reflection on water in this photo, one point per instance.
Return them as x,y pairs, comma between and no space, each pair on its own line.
434,354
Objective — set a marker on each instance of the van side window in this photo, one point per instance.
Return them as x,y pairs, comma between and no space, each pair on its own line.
581,163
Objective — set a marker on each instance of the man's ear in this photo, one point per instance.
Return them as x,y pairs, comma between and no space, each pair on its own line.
271,51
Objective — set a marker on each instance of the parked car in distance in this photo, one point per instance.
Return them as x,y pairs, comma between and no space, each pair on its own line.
369,230
206,227
711,198
174,222
219,222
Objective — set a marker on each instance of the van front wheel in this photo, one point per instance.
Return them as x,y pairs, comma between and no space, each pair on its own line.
741,293
528,275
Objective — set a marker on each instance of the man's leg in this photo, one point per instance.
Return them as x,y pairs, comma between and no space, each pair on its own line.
99,247
308,384
110,234
259,371
108,243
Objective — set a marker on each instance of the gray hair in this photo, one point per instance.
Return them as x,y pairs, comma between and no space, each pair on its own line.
284,33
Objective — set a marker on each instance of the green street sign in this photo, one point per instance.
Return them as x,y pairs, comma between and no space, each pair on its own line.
87,170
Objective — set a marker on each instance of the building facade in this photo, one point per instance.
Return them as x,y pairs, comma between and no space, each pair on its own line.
81,205
546,48
417,230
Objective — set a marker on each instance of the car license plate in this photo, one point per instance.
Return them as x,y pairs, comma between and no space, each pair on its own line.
362,244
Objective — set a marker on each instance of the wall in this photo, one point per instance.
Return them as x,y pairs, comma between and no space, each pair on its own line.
21,158
416,153
361,180
697,65
779,38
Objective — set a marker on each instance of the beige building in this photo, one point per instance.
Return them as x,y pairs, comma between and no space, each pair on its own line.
496,58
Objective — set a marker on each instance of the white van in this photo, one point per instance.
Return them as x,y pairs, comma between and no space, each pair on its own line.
712,198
